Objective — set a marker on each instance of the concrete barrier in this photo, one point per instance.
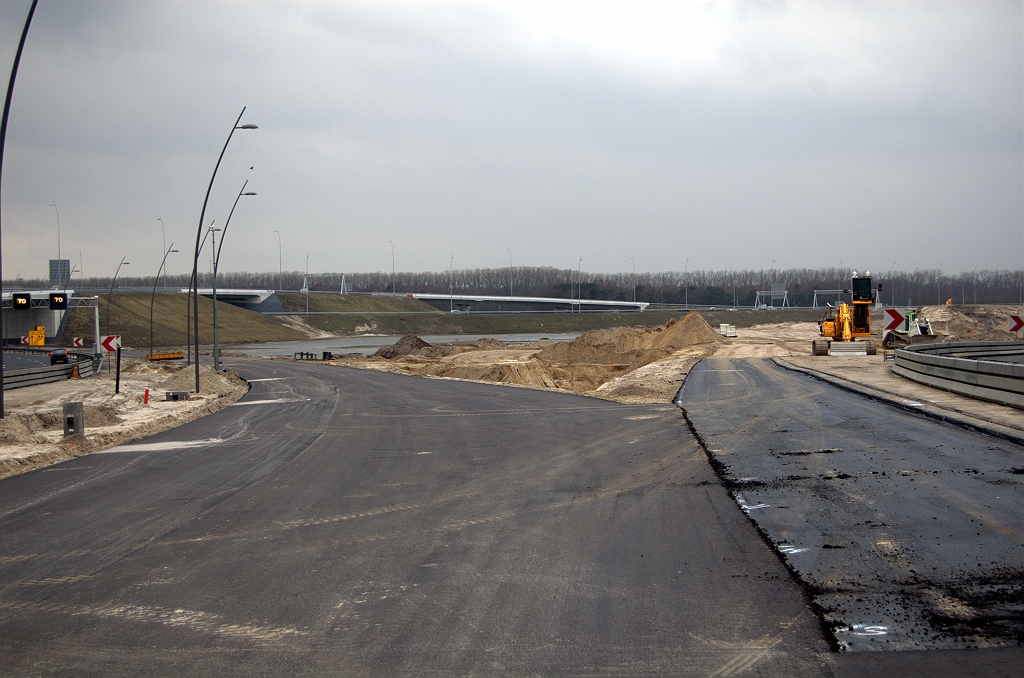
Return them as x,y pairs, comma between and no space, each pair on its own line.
961,367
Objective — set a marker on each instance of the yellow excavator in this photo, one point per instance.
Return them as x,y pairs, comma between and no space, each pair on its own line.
847,322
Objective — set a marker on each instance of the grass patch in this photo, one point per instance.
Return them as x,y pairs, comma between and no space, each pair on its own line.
129,317
353,303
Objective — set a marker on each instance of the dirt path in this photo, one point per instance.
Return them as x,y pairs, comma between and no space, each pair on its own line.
32,432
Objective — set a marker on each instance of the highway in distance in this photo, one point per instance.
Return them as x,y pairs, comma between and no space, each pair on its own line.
349,522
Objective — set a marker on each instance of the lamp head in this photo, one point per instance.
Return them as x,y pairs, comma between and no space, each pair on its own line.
248,125
249,193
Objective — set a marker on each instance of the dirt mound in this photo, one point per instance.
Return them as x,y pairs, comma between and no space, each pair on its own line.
407,345
970,323
632,346
488,342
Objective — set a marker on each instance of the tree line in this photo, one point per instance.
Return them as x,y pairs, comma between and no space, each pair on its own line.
718,288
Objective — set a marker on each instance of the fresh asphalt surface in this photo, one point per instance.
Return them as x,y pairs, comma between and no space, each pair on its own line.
348,522
24,361
908,532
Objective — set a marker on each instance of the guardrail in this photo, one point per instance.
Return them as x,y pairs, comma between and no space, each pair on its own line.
961,367
87,365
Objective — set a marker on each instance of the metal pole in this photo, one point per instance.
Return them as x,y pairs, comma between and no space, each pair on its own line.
510,269
3,139
111,292
152,297
634,278
279,269
199,234
96,328
213,245
579,281
392,266
451,289
53,204
686,284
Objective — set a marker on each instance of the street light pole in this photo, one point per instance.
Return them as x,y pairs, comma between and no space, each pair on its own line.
392,266
579,281
216,267
279,283
111,292
634,278
510,269
892,275
199,233
53,204
215,252
152,297
451,288
686,284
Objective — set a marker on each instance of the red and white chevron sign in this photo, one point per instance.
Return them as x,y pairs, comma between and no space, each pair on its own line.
77,342
1016,324
111,342
24,340
894,319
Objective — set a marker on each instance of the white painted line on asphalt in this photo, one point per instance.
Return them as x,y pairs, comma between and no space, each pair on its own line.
162,447
789,549
270,402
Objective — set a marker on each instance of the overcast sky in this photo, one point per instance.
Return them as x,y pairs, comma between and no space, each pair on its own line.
727,133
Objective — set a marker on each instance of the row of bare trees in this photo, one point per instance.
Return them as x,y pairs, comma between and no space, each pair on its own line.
720,288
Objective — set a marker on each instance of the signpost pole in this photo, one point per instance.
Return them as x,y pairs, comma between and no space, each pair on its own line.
117,379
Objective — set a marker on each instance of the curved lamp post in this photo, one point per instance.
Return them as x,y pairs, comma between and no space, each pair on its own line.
216,266
510,271
152,297
634,278
111,292
579,282
3,139
199,235
686,284
53,204
392,267
278,259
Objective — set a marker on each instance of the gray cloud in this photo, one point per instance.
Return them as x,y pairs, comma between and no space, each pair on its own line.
803,132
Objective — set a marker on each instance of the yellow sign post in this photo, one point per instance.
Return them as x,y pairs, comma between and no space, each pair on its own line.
37,337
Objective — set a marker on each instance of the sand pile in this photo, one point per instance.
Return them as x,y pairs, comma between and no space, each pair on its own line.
407,345
633,347
970,323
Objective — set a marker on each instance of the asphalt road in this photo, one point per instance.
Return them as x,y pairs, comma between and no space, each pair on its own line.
348,522
24,361
907,532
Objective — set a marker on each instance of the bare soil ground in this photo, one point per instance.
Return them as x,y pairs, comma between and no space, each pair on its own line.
32,432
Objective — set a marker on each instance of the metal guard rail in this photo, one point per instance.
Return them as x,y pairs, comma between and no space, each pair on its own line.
960,367
87,365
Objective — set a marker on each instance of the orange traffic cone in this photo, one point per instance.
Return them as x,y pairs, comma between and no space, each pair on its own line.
74,373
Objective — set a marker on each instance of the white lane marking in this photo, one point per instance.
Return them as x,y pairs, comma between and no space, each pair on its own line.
423,453
267,379
742,501
869,630
270,402
789,549
162,447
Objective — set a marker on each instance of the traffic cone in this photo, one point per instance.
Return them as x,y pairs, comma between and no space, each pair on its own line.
74,373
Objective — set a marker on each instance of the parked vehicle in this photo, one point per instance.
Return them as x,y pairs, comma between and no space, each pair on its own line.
58,356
